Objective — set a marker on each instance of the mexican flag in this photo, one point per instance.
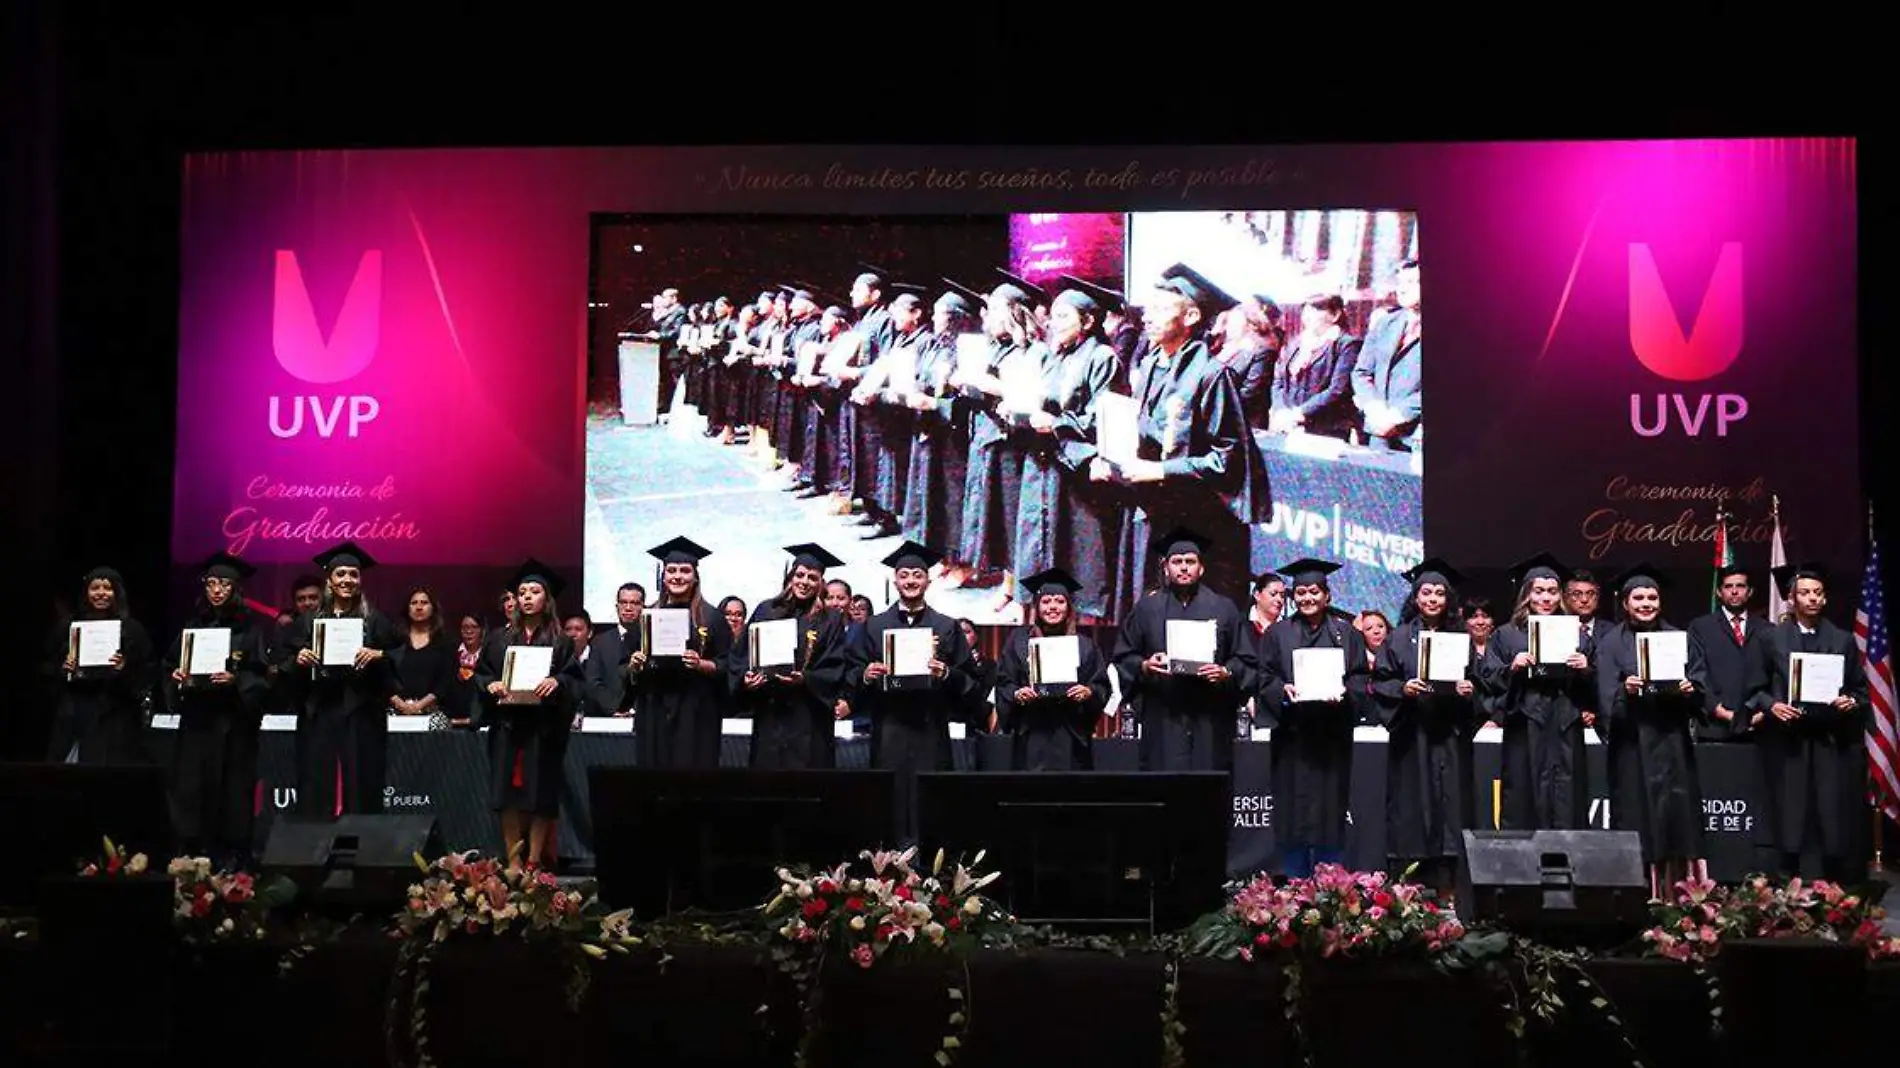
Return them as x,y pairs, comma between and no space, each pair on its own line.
1724,557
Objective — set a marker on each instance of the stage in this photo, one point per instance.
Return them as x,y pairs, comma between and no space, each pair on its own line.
699,1004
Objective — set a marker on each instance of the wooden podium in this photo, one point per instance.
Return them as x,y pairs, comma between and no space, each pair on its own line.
639,380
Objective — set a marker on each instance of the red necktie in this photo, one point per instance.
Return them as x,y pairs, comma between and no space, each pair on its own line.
1735,624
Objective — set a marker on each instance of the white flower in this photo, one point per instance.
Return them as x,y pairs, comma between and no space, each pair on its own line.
857,923
804,890
933,931
227,926
855,885
138,864
980,854
937,864
974,905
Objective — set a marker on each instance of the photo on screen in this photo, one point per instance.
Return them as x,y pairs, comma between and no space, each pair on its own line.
757,382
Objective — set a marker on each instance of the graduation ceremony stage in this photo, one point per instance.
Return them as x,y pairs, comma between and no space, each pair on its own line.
445,773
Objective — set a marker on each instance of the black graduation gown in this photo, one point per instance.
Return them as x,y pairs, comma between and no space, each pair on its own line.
1545,782
1067,520
794,410
1310,759
939,454
1815,766
1429,789
1722,655
214,751
910,728
792,721
860,436
993,490
342,722
896,428
99,713
1214,478
1187,723
1052,732
677,722
1654,790
527,744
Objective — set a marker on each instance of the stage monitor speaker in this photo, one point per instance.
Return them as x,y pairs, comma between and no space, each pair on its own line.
1570,887
360,861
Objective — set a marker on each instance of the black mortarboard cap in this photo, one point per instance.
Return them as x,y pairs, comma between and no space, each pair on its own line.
680,551
1340,613
1434,569
1178,541
1035,293
911,554
1110,300
225,566
1307,571
873,275
766,295
532,570
813,555
1543,565
1638,576
1787,573
798,292
910,287
1054,578
348,554
968,293
1194,285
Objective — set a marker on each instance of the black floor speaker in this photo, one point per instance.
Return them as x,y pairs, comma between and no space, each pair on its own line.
358,861
1565,887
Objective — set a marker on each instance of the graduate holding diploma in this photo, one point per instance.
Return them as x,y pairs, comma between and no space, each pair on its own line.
531,684
1807,707
216,683
103,663
788,671
1652,682
1311,660
1423,690
336,661
1538,673
1051,683
1183,663
679,666
909,670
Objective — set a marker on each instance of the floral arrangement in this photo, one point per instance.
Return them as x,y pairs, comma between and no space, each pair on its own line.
215,906
1698,915
116,862
465,894
1334,913
885,905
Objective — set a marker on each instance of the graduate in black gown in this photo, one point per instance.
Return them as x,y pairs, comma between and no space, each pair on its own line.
1052,722
993,487
1429,797
1311,754
793,706
911,715
529,720
1650,724
214,753
1544,710
681,698
99,712
1813,752
342,711
940,449
1185,709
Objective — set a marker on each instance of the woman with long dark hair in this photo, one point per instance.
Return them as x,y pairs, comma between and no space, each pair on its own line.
99,711
793,705
682,696
214,752
425,663
342,709
1052,723
1544,709
529,719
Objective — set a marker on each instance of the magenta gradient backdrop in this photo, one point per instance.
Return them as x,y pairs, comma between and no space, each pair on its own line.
477,374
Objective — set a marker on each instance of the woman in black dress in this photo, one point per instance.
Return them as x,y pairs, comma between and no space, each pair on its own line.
682,698
425,664
214,755
528,728
1544,709
1052,723
99,714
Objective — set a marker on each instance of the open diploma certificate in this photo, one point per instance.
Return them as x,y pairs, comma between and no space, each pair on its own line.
908,652
1443,656
772,644
666,631
1662,656
1553,638
1815,678
205,651
1117,428
92,643
1319,674
1055,661
336,641
522,669
1190,645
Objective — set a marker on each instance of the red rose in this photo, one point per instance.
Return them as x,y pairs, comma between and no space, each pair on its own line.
904,894
942,902
815,907
1382,899
113,864
1262,939
854,904
1289,939
955,924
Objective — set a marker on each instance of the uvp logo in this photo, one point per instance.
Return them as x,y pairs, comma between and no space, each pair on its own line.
303,351
1710,347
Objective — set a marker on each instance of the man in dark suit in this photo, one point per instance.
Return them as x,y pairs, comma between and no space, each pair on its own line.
608,693
1722,636
1388,380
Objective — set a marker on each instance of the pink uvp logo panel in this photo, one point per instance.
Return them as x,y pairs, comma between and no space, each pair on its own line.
1713,342
301,348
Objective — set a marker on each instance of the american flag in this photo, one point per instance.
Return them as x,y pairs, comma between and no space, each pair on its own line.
1870,636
